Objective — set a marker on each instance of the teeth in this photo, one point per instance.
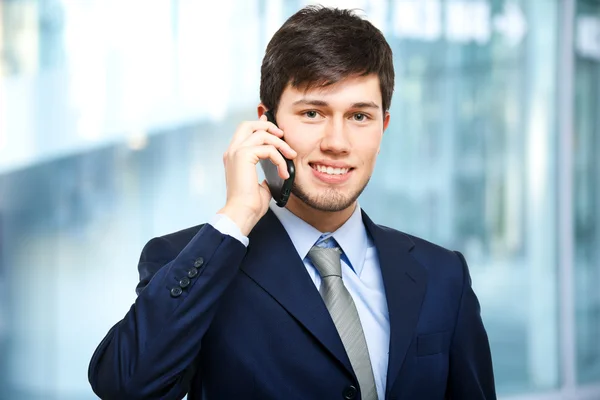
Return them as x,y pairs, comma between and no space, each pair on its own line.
331,170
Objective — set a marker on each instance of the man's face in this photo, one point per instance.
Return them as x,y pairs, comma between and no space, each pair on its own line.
337,132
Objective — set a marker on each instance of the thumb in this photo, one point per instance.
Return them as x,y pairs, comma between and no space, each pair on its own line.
265,192
265,186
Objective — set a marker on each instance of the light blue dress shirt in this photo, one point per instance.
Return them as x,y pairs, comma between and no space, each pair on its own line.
360,271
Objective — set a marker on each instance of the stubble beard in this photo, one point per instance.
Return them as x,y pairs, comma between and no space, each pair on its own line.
331,200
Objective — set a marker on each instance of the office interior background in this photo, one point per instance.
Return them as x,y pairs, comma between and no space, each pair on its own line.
114,115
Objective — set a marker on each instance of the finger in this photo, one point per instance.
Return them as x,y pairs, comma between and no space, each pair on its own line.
246,129
262,137
268,152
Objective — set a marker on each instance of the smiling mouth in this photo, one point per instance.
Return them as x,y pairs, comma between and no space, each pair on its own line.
330,170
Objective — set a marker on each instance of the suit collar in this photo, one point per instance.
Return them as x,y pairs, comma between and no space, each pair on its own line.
273,263
405,283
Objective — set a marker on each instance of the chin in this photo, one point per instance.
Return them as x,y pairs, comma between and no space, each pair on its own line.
328,200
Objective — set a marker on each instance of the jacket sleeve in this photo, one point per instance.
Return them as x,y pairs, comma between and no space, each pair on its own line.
149,353
471,372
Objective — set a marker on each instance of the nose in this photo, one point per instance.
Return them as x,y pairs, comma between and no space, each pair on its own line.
335,139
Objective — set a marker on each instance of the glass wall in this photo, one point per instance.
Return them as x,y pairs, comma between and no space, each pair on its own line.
114,116
587,189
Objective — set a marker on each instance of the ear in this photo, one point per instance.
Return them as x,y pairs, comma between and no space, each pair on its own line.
386,122
261,109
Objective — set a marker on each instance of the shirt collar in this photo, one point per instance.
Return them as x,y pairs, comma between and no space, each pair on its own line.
351,236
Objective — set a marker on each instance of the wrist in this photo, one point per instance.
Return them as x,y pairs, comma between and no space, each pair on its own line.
243,218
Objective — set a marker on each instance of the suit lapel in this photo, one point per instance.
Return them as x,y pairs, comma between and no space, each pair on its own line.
405,283
273,263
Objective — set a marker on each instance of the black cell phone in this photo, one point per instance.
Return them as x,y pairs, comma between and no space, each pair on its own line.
280,189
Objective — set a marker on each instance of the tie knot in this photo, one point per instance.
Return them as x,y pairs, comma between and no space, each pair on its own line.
326,260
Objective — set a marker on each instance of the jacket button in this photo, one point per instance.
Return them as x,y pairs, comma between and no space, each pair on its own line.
192,273
199,262
350,393
176,292
184,282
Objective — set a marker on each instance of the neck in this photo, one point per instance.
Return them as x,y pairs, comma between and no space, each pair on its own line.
323,221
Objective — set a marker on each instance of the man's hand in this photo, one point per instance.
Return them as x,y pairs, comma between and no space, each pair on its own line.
247,200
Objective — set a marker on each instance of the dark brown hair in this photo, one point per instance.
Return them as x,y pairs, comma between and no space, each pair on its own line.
319,46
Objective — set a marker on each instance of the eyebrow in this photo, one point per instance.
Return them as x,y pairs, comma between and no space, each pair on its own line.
321,103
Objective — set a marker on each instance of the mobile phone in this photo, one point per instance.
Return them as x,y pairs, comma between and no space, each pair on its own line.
280,188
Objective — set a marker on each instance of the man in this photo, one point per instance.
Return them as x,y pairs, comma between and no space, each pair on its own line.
311,301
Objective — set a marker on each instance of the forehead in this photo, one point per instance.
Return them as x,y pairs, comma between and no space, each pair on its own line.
355,89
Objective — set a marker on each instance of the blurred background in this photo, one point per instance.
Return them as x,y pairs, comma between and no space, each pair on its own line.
114,115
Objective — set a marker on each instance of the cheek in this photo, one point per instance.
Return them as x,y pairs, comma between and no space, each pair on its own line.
369,151
302,146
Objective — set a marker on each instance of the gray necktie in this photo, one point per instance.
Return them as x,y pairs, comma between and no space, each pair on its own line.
345,317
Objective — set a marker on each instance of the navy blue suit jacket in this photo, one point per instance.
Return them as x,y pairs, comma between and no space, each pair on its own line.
219,321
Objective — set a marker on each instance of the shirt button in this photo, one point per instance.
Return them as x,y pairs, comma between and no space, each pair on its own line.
184,282
176,292
350,392
192,273
199,262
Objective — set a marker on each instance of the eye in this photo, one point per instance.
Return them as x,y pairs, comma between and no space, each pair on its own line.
311,114
360,117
